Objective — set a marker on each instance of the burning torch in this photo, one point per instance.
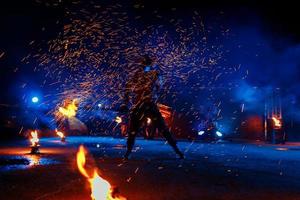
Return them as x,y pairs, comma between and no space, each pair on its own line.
34,142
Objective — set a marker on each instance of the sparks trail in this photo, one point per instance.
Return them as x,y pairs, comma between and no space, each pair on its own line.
99,48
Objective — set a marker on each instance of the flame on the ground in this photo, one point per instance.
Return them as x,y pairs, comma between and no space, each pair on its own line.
34,139
100,188
70,109
118,120
277,122
59,133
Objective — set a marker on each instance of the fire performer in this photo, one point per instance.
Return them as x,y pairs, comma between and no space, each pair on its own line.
141,87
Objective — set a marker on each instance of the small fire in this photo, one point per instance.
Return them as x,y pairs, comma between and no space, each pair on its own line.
100,188
34,139
70,109
60,134
277,122
118,120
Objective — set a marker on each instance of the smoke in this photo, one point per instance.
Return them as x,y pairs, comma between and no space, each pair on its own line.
272,64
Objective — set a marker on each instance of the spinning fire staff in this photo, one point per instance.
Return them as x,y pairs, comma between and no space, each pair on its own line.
141,88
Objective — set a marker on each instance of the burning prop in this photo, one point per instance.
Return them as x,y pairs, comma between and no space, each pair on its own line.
277,122
100,188
66,117
70,109
34,142
61,135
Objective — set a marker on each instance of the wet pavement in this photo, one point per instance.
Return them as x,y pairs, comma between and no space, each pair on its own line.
224,170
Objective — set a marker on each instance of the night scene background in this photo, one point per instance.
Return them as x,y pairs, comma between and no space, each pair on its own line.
229,75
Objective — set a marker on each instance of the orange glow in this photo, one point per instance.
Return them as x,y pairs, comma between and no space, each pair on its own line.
34,138
59,133
100,188
164,110
70,109
118,120
277,122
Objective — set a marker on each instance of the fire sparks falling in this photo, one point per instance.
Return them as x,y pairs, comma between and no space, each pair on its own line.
70,109
100,188
34,138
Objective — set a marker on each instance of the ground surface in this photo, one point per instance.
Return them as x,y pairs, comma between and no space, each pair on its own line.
226,170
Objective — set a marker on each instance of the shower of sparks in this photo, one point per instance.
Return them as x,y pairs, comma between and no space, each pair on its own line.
100,46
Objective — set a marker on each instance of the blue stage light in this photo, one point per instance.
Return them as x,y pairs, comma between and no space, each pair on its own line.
35,99
201,132
219,134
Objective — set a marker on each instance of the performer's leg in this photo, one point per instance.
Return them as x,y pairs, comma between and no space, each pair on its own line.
161,126
132,131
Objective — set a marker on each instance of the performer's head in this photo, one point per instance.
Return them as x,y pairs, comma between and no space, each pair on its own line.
146,61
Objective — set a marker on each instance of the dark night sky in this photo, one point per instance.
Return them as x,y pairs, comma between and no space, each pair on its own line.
24,21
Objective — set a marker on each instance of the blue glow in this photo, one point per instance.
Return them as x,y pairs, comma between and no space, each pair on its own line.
147,68
35,99
219,134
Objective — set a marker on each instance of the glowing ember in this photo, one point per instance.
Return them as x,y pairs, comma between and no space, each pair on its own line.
100,188
34,139
277,122
70,109
118,120
60,134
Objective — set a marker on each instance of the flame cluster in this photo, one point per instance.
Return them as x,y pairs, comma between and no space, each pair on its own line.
100,188
277,122
70,109
34,138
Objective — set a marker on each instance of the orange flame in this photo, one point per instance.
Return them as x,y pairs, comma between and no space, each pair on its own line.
59,133
100,188
34,138
277,122
70,110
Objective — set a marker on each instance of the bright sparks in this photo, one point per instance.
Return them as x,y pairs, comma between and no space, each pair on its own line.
100,188
70,109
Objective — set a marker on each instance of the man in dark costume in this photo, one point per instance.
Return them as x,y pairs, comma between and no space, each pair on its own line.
142,86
